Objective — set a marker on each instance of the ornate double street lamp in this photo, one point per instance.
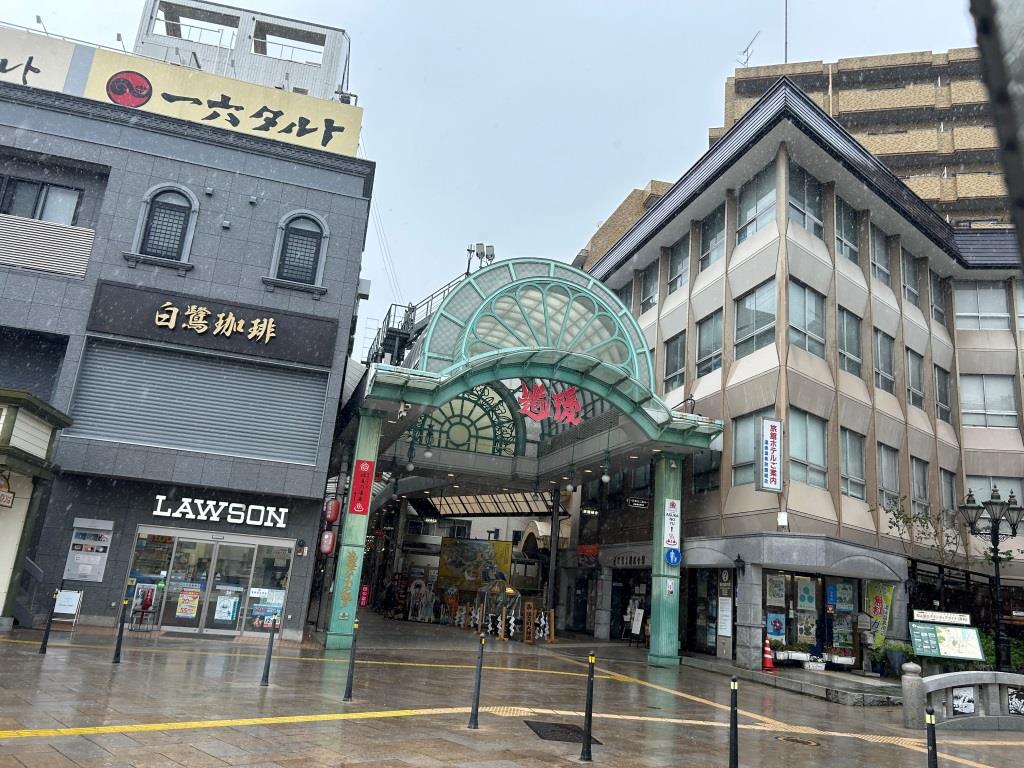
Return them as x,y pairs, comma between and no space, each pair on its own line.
986,519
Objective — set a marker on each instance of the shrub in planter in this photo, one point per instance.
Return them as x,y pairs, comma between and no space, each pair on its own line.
897,654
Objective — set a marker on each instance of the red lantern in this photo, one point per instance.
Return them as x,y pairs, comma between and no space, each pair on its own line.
327,540
333,511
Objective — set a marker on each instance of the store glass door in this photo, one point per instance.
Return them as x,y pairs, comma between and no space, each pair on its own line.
225,602
186,584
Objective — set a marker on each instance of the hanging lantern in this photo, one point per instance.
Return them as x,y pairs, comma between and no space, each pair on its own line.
327,541
333,511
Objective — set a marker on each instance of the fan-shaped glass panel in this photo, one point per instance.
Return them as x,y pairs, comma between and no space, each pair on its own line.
479,421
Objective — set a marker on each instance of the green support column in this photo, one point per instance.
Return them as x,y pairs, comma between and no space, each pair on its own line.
353,538
668,486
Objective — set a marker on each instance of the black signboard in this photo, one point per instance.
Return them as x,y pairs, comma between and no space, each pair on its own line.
194,321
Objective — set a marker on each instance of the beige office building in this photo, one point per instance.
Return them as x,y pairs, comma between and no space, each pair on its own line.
790,273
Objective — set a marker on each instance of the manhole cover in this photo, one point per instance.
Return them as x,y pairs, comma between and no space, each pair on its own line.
559,732
795,740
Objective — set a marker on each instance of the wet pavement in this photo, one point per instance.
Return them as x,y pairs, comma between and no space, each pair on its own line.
193,702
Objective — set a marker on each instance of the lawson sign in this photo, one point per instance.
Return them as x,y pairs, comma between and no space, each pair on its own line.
769,456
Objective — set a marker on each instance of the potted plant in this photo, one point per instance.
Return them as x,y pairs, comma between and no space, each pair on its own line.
798,651
877,656
815,663
897,653
778,650
840,656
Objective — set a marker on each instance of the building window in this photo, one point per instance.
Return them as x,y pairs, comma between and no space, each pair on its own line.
807,449
915,378
805,199
712,238
709,344
849,342
982,486
38,200
987,400
981,305
744,445
1020,305
755,319
888,476
679,265
625,295
756,203
947,490
852,476
942,406
885,363
938,298
910,281
880,263
649,287
675,361
918,487
300,255
847,230
806,318
707,471
166,229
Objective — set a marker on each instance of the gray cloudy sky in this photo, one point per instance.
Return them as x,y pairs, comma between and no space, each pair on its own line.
523,124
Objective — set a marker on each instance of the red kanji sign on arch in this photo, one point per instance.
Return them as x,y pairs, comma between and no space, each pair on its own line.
534,404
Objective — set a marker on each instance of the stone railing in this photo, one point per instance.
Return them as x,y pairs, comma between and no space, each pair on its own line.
983,701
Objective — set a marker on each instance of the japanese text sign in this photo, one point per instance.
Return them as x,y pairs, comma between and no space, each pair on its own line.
194,321
671,525
361,490
563,406
36,60
769,456
199,97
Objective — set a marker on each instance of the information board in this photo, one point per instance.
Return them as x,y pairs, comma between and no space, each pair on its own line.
946,642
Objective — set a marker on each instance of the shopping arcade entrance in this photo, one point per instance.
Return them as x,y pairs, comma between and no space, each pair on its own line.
586,392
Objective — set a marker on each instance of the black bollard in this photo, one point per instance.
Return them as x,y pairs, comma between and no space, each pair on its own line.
120,633
588,714
734,729
49,623
474,713
351,663
933,754
265,680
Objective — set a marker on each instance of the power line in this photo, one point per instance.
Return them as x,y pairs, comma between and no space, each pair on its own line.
390,272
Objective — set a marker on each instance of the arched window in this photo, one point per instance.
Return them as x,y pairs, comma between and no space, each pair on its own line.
299,258
167,226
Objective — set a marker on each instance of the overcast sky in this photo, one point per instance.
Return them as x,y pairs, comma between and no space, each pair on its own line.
524,124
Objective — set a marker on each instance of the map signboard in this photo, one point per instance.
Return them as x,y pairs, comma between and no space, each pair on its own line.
946,641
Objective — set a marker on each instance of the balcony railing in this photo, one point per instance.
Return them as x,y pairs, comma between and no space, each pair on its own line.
43,245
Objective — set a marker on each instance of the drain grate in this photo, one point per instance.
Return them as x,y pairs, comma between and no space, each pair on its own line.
572,734
795,740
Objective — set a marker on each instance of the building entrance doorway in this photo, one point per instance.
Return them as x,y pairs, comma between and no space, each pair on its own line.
207,583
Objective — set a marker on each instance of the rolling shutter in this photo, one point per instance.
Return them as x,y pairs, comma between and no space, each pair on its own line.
198,403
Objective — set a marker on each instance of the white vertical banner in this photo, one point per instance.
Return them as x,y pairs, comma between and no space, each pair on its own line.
671,527
769,455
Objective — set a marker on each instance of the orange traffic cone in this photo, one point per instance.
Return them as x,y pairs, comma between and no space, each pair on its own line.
767,663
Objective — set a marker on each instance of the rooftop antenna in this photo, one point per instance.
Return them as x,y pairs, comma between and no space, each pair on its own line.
747,52
121,41
785,38
39,21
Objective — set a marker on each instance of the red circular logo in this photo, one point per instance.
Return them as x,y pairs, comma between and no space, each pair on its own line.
129,89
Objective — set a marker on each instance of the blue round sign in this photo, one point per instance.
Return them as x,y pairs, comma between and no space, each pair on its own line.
673,556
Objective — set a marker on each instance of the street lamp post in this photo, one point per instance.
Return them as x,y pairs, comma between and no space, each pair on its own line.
986,519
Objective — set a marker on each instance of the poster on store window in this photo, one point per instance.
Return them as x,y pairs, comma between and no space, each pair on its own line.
842,630
844,597
188,604
775,591
805,594
145,596
775,626
227,608
807,627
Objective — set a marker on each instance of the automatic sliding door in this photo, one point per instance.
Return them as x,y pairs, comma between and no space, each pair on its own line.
186,584
231,574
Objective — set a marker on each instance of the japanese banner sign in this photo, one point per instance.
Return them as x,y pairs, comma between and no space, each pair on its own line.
199,97
563,406
671,526
361,490
142,84
769,456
